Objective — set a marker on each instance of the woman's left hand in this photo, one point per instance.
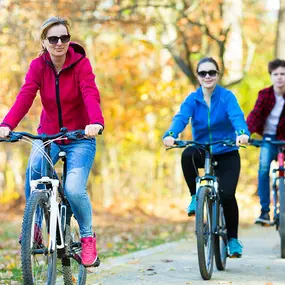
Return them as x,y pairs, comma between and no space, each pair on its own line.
242,139
92,130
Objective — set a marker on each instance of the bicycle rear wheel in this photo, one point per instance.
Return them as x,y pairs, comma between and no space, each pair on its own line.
282,216
38,265
205,240
73,271
221,241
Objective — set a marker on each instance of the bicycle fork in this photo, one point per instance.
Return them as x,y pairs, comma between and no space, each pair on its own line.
56,216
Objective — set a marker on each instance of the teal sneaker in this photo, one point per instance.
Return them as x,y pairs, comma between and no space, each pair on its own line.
235,248
191,209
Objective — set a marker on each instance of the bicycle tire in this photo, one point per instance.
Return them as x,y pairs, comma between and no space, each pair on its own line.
72,269
282,216
205,238
38,266
221,241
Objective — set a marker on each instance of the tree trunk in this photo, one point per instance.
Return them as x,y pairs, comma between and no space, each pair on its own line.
280,37
233,57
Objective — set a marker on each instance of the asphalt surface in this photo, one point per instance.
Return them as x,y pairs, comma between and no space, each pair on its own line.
176,264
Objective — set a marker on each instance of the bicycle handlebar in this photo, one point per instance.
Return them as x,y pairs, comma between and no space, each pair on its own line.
185,143
259,143
72,135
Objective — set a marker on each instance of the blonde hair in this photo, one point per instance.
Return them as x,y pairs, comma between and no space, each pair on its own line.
50,22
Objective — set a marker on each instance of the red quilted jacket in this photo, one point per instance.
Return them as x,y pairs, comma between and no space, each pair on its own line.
69,99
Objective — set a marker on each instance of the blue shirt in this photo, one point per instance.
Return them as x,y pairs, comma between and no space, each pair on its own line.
223,120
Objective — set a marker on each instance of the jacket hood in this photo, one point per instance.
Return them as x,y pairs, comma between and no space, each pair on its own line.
74,54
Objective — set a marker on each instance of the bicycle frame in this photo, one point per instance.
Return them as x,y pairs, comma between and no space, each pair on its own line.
52,185
211,181
210,227
55,215
277,173
278,192
275,178
48,230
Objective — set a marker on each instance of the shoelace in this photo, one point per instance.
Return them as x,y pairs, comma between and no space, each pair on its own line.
89,246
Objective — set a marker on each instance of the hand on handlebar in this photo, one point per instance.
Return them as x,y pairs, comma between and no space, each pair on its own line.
93,130
168,141
4,132
242,139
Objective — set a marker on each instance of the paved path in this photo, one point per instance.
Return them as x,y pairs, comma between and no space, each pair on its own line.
176,264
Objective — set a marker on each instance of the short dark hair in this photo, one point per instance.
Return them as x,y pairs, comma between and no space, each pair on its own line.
207,59
274,64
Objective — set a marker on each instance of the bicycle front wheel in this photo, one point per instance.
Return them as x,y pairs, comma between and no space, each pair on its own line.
221,241
38,265
282,215
205,240
73,271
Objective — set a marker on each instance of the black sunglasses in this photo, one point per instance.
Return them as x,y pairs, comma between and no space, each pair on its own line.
54,39
212,73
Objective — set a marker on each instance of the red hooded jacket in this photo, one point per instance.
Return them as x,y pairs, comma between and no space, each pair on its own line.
69,99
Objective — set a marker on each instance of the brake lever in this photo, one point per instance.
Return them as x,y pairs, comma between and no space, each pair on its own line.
13,137
76,135
175,146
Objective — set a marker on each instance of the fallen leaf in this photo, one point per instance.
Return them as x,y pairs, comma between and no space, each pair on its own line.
135,261
150,271
167,260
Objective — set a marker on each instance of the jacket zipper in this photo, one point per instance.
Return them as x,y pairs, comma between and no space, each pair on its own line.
209,125
58,101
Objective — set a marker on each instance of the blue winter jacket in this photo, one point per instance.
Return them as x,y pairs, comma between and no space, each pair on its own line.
223,120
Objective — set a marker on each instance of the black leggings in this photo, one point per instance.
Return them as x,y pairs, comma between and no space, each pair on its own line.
227,169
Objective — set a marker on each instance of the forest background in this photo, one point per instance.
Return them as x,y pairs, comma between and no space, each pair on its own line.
144,54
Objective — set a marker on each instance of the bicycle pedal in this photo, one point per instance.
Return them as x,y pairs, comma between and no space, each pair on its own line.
266,225
234,256
97,262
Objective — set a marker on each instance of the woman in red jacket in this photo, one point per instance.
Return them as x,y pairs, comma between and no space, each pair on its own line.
70,98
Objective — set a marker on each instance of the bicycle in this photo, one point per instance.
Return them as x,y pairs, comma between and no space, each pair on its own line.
50,236
211,231
278,189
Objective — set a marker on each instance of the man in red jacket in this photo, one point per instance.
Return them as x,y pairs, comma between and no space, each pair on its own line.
268,120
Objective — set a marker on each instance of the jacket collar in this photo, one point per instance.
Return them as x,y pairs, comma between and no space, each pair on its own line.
200,95
74,53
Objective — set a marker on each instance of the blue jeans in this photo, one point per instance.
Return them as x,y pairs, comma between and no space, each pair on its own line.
268,153
79,159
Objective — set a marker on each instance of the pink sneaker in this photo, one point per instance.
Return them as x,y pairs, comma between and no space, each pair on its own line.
38,237
89,256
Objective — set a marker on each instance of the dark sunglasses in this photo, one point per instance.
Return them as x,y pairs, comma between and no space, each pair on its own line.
54,39
212,73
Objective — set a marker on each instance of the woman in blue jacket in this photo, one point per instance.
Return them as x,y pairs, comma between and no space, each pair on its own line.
215,115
